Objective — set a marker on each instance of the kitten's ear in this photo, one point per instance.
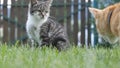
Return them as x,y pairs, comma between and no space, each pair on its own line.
30,3
49,2
33,1
94,11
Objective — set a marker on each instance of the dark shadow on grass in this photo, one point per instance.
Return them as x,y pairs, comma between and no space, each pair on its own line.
104,45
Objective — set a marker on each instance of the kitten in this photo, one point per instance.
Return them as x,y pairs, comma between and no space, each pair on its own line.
108,22
42,29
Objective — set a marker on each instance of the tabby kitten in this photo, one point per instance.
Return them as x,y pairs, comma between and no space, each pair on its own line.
42,29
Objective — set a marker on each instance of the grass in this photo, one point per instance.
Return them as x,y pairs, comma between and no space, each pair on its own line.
75,57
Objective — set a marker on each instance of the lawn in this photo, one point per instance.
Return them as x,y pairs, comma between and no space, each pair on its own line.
75,57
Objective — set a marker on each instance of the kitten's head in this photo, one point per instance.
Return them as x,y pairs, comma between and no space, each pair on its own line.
97,14
101,16
40,9
101,19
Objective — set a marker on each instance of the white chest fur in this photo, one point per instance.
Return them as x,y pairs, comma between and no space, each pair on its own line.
33,28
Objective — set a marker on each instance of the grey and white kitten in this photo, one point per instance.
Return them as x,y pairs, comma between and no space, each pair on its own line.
42,29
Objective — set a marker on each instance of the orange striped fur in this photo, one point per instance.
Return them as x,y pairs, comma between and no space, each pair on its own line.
109,31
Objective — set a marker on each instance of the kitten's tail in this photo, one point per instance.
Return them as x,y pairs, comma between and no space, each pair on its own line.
61,43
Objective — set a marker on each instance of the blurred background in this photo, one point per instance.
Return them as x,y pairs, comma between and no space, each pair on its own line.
73,14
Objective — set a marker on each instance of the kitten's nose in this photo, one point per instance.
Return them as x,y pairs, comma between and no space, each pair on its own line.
41,14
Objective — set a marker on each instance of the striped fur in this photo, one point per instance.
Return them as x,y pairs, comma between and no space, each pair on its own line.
54,34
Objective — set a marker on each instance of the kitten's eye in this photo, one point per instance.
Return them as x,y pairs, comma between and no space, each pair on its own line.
46,11
39,10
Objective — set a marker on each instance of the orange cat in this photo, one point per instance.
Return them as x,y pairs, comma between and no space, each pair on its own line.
108,22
